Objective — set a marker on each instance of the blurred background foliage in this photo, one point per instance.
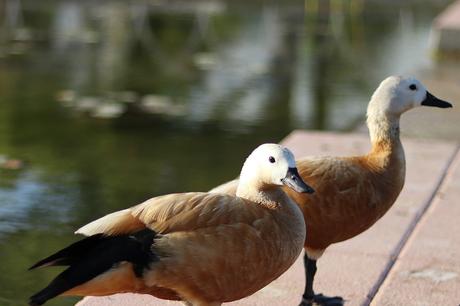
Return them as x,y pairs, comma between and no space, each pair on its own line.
104,104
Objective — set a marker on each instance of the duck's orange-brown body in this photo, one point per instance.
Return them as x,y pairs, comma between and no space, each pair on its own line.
352,193
212,247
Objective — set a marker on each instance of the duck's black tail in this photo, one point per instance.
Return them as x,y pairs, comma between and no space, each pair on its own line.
93,256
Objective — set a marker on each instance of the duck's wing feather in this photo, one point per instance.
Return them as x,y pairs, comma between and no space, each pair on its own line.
346,177
336,180
117,223
342,172
177,212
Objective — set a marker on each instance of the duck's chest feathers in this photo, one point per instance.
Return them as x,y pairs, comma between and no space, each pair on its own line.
387,171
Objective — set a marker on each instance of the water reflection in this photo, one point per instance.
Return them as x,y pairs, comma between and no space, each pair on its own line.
110,103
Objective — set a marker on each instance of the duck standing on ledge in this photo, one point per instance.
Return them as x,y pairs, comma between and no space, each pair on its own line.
202,248
352,193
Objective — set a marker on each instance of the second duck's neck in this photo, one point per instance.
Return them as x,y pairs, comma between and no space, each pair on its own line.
384,134
383,129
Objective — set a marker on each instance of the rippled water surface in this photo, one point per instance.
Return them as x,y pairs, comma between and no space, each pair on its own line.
105,104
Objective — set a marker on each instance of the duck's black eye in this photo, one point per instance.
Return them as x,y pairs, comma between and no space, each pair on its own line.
413,87
271,159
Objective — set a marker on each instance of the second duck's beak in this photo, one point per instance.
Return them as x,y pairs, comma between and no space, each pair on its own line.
431,100
294,181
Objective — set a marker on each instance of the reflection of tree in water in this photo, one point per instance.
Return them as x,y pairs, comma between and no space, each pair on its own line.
320,60
207,56
202,60
205,61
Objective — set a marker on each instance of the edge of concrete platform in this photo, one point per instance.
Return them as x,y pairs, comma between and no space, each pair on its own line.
421,267
412,227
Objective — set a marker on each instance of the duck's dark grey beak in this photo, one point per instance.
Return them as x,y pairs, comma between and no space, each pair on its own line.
431,100
294,181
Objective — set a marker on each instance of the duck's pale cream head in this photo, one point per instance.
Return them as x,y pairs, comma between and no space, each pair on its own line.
271,165
396,95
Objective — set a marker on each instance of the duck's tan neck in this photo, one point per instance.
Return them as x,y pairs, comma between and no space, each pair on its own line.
385,162
386,144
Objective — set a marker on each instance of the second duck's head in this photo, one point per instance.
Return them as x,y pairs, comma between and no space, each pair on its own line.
396,95
271,165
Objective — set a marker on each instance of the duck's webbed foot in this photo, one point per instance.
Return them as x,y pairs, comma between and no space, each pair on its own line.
322,300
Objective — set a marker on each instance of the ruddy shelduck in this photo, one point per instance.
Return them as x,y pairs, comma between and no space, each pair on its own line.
352,193
201,248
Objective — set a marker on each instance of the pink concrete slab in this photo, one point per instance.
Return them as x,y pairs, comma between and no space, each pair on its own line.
353,269
446,29
428,269
449,18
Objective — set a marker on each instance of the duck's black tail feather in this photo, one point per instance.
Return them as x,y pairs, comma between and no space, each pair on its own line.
70,254
93,256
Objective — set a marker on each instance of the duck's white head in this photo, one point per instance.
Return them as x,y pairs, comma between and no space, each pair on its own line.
271,165
396,95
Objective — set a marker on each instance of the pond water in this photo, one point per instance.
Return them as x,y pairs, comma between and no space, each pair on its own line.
107,103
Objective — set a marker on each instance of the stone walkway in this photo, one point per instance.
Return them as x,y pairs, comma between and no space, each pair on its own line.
409,257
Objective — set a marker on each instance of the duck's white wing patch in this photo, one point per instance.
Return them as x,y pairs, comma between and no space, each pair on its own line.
115,223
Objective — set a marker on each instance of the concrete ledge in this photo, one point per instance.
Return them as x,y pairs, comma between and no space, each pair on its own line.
428,268
356,269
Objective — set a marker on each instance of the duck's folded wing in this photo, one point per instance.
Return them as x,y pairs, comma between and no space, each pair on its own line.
190,211
339,182
176,212
339,173
117,223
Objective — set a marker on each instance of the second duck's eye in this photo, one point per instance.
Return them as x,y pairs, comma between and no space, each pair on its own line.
271,159
413,87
